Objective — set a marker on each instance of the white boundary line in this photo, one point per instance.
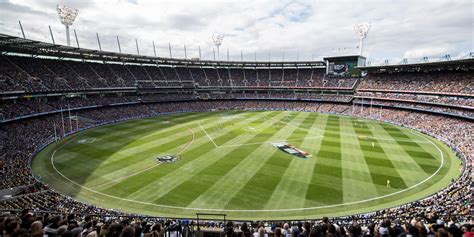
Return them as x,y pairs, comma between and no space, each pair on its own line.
210,138
268,210
125,177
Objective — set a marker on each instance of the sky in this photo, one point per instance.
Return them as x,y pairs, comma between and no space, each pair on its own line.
271,29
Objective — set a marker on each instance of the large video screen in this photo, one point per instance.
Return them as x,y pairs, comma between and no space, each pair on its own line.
341,68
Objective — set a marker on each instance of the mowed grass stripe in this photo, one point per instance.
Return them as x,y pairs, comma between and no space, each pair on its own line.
94,151
159,119
100,153
417,164
375,155
355,170
135,148
331,130
116,141
81,170
128,129
197,158
331,164
264,176
238,177
189,190
115,170
423,157
326,182
296,178
131,124
105,153
130,185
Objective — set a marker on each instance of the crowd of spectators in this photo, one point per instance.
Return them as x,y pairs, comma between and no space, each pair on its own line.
454,110
441,91
44,75
28,107
28,223
15,108
279,95
437,82
450,100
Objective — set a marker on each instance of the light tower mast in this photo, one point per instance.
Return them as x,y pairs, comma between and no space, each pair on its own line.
361,30
67,16
217,38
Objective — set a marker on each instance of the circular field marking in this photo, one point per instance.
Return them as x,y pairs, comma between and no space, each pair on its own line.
256,210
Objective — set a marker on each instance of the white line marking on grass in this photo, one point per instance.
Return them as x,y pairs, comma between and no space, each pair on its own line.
125,177
210,138
268,210
149,168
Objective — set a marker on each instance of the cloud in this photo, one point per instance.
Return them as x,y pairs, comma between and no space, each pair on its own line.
399,29
185,22
432,52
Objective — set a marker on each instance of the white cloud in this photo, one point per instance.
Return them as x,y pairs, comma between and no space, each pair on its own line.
321,27
431,52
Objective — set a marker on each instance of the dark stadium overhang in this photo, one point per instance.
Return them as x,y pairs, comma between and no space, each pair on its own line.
343,58
15,45
459,64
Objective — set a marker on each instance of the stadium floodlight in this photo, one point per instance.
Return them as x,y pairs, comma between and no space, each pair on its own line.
361,30
217,38
67,16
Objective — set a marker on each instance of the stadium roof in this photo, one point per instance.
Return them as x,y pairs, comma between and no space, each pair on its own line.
459,64
343,58
13,44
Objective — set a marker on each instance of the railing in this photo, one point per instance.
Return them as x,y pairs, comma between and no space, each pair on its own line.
418,92
417,109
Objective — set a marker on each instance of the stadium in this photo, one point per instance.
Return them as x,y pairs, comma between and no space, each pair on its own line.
99,142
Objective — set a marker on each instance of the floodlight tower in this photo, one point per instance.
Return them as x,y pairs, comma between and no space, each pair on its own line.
67,16
361,30
217,38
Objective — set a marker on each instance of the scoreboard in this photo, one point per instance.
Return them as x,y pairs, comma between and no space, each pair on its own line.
344,65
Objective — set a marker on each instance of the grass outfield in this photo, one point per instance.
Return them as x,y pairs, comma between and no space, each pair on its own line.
228,165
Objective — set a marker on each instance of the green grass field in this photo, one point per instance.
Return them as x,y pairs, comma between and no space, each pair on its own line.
228,165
